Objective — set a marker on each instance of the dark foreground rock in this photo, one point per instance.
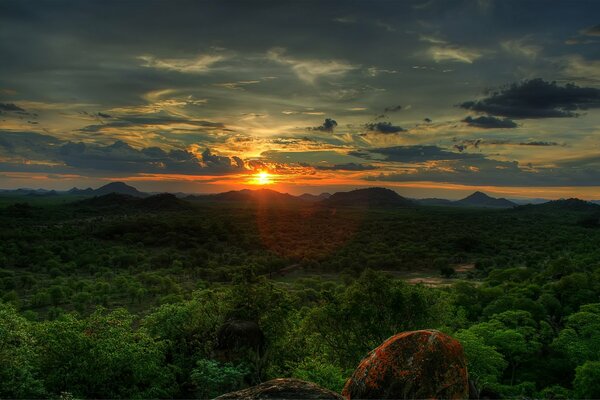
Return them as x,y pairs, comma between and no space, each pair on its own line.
283,388
412,365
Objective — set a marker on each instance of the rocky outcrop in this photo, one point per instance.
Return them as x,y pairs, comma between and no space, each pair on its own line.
423,364
283,388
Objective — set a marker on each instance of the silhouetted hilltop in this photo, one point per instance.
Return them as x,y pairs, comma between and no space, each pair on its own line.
371,197
85,192
480,199
118,187
435,202
572,204
314,197
247,196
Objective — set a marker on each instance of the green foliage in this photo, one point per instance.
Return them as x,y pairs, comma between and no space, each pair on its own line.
213,379
322,373
587,380
485,364
580,339
102,356
524,298
18,359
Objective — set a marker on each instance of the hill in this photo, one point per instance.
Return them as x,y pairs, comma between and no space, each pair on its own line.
435,202
480,199
119,188
371,197
572,204
314,197
247,196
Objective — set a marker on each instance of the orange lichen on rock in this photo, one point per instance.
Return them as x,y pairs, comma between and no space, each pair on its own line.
423,364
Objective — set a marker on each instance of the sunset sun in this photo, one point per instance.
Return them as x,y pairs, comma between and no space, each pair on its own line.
263,178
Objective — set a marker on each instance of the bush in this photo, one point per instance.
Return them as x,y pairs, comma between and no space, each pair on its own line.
213,379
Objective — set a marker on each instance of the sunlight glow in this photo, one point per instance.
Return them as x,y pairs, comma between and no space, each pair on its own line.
263,178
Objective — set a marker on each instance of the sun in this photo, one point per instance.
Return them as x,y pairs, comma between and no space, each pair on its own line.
263,178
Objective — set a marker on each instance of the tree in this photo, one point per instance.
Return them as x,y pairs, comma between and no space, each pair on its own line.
513,334
580,339
102,357
485,364
587,380
213,379
19,375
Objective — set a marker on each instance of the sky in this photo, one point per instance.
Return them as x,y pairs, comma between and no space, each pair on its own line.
432,98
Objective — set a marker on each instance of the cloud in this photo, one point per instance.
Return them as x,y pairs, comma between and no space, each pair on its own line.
10,107
310,70
346,167
327,126
104,115
393,108
151,120
539,143
521,48
199,64
489,122
537,98
454,53
477,143
27,151
239,85
592,31
384,127
578,68
487,171
374,71
412,154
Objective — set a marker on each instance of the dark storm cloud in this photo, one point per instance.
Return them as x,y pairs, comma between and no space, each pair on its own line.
537,98
116,157
592,31
346,167
412,154
384,127
465,144
540,143
489,122
486,171
146,120
392,109
327,126
120,156
10,107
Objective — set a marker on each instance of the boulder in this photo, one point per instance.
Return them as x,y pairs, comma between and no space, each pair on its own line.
423,364
283,388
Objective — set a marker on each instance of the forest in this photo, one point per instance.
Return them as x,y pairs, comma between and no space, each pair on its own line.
108,297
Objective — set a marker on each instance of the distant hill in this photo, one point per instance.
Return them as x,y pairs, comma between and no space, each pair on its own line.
247,196
572,204
477,199
435,202
371,197
118,187
85,192
480,199
314,197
